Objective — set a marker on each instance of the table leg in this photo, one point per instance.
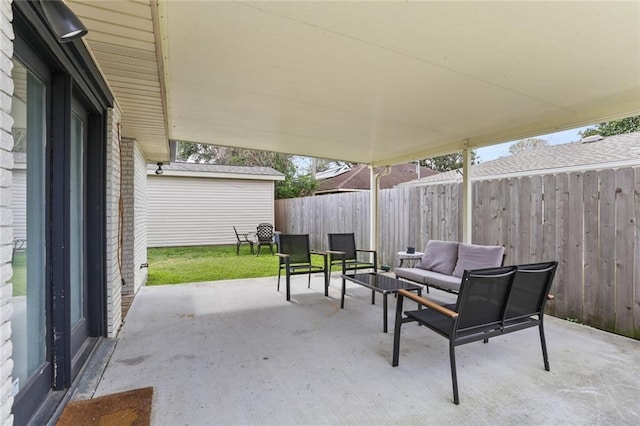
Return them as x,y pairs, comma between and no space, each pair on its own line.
384,311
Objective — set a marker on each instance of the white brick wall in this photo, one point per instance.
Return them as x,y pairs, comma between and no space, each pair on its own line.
140,214
114,277
134,201
6,230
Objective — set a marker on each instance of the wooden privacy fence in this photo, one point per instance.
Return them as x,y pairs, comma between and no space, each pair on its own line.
585,220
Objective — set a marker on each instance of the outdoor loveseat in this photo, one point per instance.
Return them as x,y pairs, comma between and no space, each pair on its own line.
444,262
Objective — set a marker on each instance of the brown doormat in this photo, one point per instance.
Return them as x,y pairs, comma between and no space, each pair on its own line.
130,408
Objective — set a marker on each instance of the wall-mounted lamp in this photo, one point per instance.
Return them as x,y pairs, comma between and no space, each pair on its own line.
159,170
65,24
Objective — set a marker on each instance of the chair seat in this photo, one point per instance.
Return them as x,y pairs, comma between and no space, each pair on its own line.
353,264
304,268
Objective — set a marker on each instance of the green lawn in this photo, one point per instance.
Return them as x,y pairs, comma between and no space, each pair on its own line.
174,265
19,279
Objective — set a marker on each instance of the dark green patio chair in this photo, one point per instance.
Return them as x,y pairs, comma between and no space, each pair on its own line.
295,259
242,238
343,252
265,234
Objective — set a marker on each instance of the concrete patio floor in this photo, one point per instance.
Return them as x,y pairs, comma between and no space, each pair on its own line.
235,352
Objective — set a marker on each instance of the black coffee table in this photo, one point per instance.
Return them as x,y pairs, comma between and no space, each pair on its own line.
381,284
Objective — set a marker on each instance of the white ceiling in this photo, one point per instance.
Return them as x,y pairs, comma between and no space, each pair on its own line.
375,82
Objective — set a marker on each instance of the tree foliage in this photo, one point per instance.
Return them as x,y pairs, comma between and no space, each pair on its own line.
293,185
444,163
527,144
615,127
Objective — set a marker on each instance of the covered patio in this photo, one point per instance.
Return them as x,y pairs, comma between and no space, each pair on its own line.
235,352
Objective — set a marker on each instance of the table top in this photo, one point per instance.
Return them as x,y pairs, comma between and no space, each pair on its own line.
412,255
381,283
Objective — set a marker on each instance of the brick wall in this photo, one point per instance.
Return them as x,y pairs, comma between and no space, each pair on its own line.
6,230
140,218
113,272
134,201
128,208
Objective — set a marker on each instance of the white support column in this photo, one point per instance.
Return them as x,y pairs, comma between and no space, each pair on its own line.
467,195
374,217
374,190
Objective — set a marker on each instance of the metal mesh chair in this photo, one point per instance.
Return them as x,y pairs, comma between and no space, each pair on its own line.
295,259
343,252
264,233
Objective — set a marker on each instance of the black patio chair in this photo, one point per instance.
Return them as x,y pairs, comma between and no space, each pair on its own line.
342,251
264,233
246,237
295,258
491,302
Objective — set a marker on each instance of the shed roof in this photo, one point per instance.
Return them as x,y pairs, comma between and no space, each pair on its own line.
613,151
217,171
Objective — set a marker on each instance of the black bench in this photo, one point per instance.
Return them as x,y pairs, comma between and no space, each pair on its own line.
492,302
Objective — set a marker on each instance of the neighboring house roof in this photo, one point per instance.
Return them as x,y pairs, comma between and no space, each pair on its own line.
588,154
216,171
357,178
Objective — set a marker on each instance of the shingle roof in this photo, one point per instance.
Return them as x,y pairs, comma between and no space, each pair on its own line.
216,168
358,178
613,151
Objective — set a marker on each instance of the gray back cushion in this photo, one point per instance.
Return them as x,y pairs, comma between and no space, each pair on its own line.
471,256
439,256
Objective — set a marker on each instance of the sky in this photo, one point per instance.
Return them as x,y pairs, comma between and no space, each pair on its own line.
502,150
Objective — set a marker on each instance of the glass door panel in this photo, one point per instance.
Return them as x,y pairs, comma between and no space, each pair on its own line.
29,330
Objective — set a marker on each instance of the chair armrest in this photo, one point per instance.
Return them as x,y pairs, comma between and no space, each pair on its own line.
428,303
321,253
282,255
366,251
341,253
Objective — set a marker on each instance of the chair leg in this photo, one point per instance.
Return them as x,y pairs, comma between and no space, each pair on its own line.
288,285
396,332
309,284
454,377
543,342
237,248
279,270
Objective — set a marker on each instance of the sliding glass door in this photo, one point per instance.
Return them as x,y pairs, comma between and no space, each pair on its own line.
31,369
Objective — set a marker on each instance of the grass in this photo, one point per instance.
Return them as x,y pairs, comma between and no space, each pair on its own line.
174,265
19,279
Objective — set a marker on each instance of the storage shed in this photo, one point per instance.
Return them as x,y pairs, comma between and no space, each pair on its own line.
199,204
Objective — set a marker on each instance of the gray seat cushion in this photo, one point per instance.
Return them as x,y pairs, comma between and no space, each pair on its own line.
471,256
439,256
436,279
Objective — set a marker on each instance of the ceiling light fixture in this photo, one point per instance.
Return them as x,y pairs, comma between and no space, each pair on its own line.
65,24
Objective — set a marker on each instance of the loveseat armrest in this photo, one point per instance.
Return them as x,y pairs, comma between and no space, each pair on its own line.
428,303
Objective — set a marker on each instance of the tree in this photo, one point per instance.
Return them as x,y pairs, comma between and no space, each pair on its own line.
615,127
293,186
444,163
527,144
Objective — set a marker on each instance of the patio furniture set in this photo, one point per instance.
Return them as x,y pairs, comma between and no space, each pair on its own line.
492,300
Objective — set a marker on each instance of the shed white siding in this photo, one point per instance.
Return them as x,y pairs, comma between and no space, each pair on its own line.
189,211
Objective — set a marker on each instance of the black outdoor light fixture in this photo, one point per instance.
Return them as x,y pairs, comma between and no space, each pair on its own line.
159,170
65,24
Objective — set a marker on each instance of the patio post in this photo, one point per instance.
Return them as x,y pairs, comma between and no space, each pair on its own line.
374,217
467,194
